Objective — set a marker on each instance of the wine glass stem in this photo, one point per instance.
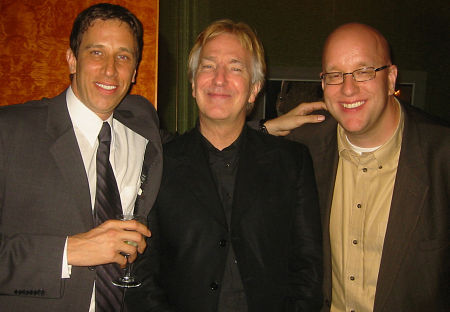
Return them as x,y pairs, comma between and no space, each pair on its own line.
127,267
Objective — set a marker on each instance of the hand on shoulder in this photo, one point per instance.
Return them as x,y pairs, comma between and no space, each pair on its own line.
296,117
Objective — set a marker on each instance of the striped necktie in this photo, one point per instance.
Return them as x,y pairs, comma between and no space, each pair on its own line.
107,206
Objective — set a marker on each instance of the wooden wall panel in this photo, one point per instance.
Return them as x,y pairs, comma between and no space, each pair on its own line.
34,37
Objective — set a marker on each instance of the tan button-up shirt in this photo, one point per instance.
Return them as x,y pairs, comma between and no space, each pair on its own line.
359,215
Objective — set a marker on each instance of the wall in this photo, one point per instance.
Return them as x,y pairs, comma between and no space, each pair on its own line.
293,32
34,36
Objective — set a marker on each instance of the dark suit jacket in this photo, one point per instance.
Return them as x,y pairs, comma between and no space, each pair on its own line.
44,196
414,271
274,231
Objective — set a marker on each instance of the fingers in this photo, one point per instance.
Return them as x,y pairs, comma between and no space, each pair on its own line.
295,118
121,260
313,106
133,225
132,242
306,108
104,243
301,120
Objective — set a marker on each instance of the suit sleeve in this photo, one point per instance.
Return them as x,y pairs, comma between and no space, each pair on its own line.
30,265
305,263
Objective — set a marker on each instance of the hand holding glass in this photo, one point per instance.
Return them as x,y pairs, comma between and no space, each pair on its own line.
128,280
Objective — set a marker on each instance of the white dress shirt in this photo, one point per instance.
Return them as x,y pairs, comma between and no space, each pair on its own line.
126,157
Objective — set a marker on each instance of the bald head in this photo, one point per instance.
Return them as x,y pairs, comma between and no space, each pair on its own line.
347,40
365,108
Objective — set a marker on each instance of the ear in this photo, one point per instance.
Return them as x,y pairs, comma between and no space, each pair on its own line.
71,61
322,81
193,88
256,87
133,80
392,78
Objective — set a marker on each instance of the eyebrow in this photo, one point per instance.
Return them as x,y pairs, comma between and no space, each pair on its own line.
236,61
358,66
100,46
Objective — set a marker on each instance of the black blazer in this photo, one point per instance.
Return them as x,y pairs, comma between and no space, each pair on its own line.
274,231
414,271
44,197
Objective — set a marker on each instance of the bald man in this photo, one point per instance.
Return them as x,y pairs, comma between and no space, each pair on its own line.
382,172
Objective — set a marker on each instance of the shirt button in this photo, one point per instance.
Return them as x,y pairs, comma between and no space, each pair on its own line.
352,278
380,167
222,242
214,286
227,165
235,261
359,205
91,268
364,169
355,242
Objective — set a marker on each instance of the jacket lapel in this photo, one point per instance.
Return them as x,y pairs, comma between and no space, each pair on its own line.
67,156
199,180
325,156
410,190
254,156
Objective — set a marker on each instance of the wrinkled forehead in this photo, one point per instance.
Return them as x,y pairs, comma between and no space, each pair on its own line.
226,44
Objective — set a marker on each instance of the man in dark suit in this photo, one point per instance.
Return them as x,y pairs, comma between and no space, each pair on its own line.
382,171
52,239
236,226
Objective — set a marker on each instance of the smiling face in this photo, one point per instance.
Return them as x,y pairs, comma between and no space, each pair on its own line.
105,66
366,109
222,84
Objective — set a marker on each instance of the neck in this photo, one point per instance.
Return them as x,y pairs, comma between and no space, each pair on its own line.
221,135
382,132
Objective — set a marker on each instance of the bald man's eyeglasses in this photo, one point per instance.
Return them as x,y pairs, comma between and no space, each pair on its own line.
359,75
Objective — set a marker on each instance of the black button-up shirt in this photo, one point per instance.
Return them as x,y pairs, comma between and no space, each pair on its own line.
224,166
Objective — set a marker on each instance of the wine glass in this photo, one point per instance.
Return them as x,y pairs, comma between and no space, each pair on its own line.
128,280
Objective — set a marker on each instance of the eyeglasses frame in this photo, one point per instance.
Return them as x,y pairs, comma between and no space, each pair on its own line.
322,75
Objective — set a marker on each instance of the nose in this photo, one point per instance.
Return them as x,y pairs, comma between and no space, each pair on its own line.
110,66
349,87
220,76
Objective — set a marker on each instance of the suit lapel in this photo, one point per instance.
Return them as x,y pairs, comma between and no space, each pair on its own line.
410,190
150,178
254,157
325,156
67,156
199,181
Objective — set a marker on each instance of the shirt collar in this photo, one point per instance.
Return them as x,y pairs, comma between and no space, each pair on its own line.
85,120
235,146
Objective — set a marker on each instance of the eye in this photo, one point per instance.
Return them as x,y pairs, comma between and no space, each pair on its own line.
123,57
364,71
96,52
206,67
236,69
334,75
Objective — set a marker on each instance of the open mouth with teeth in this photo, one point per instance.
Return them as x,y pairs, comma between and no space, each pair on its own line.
106,87
353,105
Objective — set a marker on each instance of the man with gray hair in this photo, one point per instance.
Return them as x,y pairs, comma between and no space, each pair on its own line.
236,225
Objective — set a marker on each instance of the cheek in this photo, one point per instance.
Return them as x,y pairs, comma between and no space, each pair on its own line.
201,82
242,85
328,95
